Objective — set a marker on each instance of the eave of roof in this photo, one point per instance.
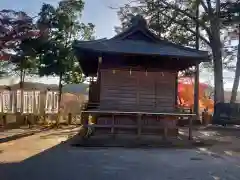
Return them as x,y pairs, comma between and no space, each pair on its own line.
140,48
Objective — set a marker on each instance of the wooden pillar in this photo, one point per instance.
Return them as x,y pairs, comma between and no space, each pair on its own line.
112,128
85,119
42,109
176,91
165,133
165,127
139,125
190,127
196,91
69,118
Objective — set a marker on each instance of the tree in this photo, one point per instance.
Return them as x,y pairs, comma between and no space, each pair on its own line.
25,59
231,17
14,27
17,33
62,26
176,20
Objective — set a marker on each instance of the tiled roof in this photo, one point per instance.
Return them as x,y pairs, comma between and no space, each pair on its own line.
136,40
140,48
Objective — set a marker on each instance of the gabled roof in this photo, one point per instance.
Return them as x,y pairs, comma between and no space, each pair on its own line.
136,40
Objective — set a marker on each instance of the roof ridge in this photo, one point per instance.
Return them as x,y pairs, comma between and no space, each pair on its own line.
90,41
134,27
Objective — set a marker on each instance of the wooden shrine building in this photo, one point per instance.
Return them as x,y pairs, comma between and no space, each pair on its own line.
136,79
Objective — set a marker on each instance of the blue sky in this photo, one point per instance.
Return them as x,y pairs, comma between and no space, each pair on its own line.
96,12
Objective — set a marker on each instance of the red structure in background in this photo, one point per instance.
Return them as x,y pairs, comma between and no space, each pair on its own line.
186,94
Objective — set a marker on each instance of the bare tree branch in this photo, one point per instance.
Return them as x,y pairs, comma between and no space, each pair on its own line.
204,6
188,15
186,27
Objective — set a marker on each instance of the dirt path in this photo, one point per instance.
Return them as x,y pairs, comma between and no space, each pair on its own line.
225,141
23,148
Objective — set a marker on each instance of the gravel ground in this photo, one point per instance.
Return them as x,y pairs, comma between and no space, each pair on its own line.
43,157
122,164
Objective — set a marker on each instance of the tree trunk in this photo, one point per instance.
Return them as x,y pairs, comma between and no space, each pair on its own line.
21,85
59,97
196,77
237,73
218,75
216,45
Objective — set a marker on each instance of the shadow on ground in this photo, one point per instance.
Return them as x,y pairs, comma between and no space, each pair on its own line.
94,160
22,135
30,132
40,166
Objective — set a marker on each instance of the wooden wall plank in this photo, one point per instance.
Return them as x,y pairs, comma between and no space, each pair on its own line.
140,91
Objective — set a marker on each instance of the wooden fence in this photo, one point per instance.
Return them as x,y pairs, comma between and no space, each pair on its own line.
43,105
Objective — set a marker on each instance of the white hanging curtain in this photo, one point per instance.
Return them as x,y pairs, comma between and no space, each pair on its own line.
30,101
37,101
1,102
6,101
55,102
49,102
13,101
18,100
25,102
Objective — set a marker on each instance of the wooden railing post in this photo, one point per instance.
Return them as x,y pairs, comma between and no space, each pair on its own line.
4,119
112,128
139,125
190,127
165,128
85,119
165,133
69,118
